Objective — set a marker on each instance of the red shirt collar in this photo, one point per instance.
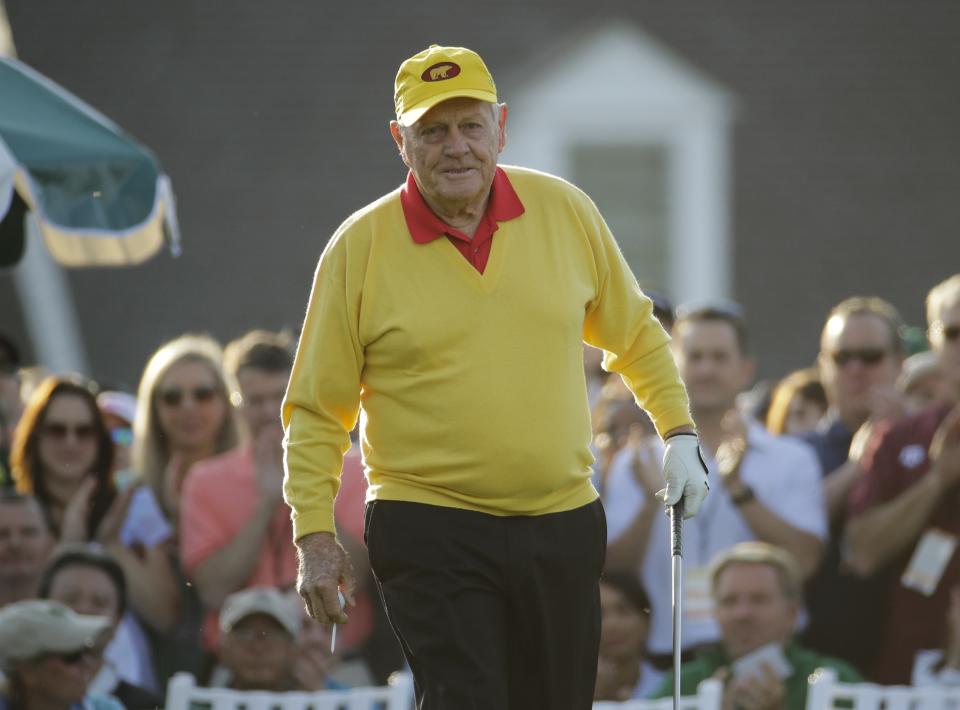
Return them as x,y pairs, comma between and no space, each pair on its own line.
425,226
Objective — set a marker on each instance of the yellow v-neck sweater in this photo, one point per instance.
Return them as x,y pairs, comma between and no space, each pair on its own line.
471,385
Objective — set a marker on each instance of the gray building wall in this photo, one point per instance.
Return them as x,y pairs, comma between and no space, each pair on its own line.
271,119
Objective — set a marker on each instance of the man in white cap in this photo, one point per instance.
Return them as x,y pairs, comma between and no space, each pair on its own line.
452,311
49,656
259,627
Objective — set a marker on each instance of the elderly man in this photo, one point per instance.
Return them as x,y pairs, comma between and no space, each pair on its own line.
757,597
453,311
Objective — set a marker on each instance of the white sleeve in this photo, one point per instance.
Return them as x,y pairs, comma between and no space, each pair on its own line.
796,492
145,523
622,495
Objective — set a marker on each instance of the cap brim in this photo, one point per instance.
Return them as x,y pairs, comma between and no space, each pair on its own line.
415,113
285,620
82,632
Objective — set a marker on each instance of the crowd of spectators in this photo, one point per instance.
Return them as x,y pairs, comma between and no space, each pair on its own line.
143,534
830,536
161,513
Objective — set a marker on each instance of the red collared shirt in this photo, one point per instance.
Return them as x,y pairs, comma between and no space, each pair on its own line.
425,226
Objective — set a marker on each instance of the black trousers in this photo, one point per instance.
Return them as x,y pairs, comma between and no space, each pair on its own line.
492,613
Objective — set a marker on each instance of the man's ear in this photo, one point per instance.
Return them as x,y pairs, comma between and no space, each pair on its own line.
503,127
397,132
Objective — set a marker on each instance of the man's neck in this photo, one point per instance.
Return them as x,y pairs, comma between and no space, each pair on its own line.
464,216
851,420
710,427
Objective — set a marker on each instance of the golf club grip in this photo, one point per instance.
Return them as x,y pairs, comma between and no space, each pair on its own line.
676,529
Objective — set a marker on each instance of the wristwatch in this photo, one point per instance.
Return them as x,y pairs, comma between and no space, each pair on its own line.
742,496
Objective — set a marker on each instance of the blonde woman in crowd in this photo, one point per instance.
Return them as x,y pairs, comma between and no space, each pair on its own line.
183,415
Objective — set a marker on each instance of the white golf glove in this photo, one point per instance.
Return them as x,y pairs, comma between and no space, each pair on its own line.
685,473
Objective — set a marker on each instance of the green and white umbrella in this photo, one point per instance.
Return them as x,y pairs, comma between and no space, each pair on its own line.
98,197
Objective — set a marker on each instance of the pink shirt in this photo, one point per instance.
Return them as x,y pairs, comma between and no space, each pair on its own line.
219,497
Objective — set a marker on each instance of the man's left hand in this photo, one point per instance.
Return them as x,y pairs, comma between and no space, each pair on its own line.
685,473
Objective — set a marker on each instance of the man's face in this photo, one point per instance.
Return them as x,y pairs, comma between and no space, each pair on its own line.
751,609
856,360
262,392
452,151
711,364
60,680
946,347
259,654
25,541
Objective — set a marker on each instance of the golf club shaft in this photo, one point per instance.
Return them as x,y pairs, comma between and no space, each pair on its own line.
676,582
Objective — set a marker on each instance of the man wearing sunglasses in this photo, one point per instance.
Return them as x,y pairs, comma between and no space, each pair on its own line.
860,359
905,508
49,654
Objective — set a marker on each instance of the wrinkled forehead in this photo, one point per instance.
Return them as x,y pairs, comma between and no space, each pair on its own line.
458,108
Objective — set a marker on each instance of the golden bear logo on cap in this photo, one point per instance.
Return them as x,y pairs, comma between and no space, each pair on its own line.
441,71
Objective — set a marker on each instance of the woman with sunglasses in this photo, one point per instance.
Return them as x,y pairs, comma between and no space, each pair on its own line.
63,455
49,655
183,417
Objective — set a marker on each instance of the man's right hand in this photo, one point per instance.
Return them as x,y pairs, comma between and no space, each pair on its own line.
324,569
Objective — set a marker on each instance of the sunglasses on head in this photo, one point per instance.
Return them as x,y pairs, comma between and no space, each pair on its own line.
174,396
865,356
61,430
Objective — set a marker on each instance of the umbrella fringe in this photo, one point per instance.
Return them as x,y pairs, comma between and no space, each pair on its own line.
88,246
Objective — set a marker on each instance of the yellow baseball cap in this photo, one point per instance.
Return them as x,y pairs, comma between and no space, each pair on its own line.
437,74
